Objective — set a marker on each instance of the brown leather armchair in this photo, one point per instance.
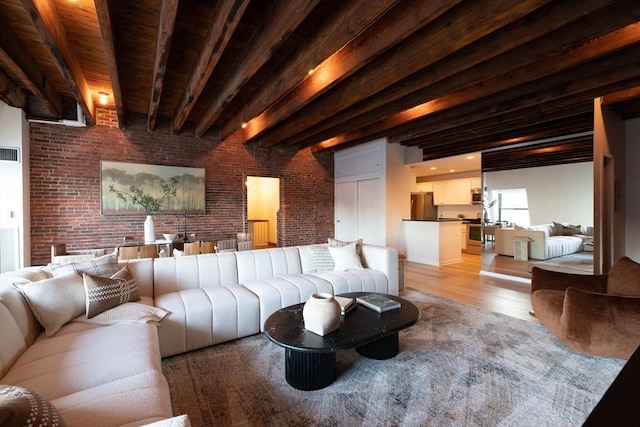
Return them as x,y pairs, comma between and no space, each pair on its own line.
593,314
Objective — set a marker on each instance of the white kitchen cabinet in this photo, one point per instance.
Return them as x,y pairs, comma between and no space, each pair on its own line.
463,243
476,182
452,192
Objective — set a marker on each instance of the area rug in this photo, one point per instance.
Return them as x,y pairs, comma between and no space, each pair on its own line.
579,263
458,366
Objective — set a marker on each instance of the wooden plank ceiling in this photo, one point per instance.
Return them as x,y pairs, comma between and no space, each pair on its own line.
447,76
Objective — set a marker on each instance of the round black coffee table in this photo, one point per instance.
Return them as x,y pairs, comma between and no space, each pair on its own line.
310,359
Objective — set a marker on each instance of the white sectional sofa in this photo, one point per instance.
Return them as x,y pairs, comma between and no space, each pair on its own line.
545,241
112,375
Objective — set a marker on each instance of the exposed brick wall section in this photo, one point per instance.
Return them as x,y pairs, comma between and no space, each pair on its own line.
65,185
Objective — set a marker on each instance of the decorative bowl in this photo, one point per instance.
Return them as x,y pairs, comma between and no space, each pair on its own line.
170,237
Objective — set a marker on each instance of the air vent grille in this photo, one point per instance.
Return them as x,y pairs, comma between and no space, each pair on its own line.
9,154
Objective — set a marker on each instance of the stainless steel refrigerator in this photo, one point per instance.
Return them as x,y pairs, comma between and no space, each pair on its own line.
422,206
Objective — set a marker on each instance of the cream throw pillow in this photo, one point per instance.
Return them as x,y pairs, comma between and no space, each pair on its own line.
345,258
104,266
55,301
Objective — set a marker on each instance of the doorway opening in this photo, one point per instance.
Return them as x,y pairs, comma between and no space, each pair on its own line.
263,203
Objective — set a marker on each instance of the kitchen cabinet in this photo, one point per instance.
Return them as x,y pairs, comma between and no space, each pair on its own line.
463,242
452,192
432,242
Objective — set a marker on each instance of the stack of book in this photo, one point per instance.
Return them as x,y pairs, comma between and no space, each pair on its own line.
346,304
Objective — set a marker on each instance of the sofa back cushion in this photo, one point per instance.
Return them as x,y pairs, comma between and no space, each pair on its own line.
142,271
261,264
13,343
174,274
624,278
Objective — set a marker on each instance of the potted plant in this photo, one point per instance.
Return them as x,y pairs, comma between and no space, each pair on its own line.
485,209
149,203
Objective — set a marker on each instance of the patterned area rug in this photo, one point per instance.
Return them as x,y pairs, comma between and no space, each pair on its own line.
458,366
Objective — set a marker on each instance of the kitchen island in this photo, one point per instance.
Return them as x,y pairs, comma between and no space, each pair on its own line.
433,242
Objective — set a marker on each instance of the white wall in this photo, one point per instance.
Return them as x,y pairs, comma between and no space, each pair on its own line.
561,193
14,181
400,182
632,189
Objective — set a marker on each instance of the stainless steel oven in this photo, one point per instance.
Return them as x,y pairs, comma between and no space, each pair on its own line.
474,239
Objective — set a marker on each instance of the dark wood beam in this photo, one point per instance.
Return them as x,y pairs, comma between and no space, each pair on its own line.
12,94
390,29
504,88
454,30
546,31
348,21
545,154
223,25
283,17
623,95
47,23
166,22
20,64
104,14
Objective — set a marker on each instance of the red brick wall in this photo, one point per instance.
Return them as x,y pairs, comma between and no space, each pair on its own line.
65,185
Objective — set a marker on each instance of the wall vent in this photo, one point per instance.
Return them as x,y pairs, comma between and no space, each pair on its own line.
10,154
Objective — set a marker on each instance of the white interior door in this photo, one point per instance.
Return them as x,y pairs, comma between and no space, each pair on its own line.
371,227
346,211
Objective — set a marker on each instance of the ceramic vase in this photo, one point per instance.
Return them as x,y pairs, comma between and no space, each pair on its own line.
321,314
149,230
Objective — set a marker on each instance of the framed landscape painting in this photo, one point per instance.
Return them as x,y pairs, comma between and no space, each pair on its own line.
190,187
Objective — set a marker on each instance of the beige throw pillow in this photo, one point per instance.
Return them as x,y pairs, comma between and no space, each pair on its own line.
345,258
103,266
335,243
104,293
55,301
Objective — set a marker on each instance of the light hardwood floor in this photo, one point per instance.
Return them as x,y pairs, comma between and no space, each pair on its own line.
464,283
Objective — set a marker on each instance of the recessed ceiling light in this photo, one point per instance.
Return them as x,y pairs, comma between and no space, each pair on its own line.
433,168
452,170
470,157
310,71
244,125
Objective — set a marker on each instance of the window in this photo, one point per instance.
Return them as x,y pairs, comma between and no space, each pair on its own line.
512,206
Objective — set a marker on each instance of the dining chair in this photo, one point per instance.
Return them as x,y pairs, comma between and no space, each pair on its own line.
191,248
128,252
148,251
245,246
207,247
226,245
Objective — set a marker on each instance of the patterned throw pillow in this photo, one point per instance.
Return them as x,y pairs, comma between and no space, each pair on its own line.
55,301
104,293
316,258
22,407
105,266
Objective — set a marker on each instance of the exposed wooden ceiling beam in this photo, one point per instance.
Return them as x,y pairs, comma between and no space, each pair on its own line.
166,22
104,14
223,25
504,88
391,28
283,17
346,23
454,30
623,95
20,63
546,31
12,94
569,151
45,19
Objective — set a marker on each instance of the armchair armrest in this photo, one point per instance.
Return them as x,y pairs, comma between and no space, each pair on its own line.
559,281
599,323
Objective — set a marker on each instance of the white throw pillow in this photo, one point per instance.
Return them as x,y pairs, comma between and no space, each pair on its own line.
345,258
55,301
316,258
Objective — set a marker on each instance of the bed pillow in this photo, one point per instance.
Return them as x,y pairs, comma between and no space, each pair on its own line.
21,407
55,301
103,293
104,266
345,258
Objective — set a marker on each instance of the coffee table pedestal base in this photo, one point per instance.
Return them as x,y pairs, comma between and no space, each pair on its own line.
309,371
384,348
